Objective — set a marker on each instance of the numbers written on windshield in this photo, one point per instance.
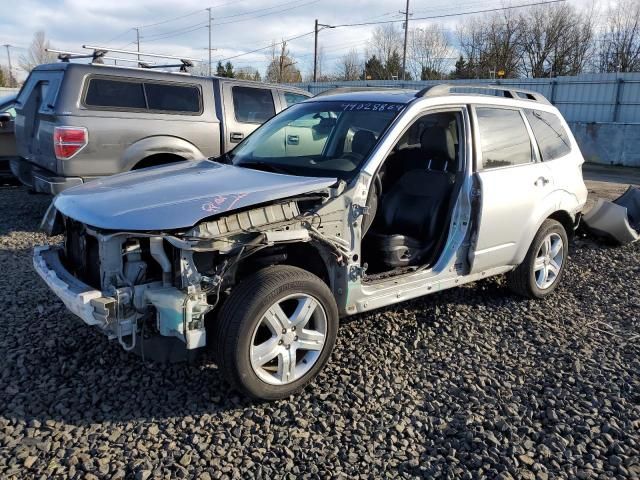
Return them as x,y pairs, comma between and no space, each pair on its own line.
374,107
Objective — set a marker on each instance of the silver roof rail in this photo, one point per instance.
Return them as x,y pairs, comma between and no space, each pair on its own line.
336,90
483,89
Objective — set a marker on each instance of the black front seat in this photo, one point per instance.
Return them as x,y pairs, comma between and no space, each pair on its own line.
362,142
437,151
414,211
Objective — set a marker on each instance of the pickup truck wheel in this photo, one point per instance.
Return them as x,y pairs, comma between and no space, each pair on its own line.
276,331
542,269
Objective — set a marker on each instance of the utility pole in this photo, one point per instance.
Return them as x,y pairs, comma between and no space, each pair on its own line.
315,53
315,48
404,49
7,46
209,13
138,41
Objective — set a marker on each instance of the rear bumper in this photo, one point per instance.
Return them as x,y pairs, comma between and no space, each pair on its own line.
83,300
41,180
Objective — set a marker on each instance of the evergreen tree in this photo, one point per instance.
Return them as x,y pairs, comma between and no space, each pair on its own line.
461,69
220,71
374,70
393,67
228,70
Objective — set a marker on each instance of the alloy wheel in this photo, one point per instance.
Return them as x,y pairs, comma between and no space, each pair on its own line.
549,261
288,339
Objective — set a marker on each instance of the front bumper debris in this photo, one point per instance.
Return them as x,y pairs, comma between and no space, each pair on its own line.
179,315
86,302
618,220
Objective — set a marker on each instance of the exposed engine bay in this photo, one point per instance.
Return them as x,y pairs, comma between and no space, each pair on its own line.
149,284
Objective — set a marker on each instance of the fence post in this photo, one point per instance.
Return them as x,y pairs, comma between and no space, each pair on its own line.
552,98
616,107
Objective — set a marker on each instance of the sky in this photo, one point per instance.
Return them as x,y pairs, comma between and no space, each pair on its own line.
179,27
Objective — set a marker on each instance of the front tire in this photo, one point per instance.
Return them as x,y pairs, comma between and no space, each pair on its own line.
275,332
542,269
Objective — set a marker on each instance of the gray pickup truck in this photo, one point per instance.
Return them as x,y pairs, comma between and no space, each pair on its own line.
77,122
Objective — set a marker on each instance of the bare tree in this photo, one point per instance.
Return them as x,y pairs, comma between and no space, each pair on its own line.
620,43
37,53
555,40
385,40
428,52
350,66
491,44
248,73
282,66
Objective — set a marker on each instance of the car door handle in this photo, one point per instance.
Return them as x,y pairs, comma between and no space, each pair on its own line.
236,137
293,139
541,181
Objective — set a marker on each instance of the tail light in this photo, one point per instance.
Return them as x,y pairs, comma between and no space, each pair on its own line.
67,141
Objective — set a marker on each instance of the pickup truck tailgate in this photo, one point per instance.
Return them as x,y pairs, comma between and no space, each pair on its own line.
35,114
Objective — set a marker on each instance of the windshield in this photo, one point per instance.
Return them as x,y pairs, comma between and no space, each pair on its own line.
320,139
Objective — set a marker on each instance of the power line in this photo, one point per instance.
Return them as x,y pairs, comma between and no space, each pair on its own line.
119,35
189,29
431,17
269,13
268,46
176,30
258,10
149,25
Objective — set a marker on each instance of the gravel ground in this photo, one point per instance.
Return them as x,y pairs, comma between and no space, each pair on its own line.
468,383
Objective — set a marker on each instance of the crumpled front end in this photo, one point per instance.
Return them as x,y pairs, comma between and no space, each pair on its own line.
111,280
135,286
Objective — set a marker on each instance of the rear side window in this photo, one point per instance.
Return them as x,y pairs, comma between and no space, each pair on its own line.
552,138
504,138
103,92
253,105
293,98
175,98
111,93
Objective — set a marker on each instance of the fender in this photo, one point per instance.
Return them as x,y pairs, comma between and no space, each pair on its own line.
557,201
159,144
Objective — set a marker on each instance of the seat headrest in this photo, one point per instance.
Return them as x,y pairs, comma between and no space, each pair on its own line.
437,143
363,141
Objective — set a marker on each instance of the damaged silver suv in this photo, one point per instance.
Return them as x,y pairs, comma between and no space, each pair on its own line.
347,202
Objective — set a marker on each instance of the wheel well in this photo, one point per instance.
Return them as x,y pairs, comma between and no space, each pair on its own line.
565,219
301,255
158,159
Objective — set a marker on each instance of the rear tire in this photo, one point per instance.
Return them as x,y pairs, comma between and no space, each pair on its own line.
542,269
275,332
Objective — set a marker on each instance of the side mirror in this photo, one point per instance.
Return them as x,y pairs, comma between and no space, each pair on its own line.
5,118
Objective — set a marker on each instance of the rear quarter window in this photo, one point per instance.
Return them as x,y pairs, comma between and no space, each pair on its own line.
139,95
293,98
175,98
115,93
253,105
551,136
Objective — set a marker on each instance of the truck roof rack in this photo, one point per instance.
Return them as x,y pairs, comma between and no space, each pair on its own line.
183,65
490,89
97,57
100,53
